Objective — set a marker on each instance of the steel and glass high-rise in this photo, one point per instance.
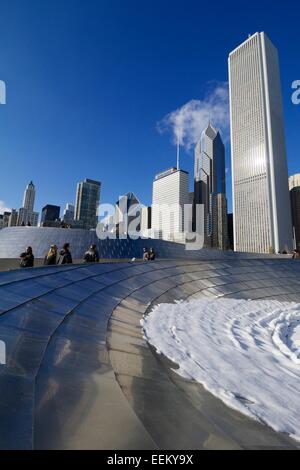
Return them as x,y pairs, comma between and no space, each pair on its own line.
294,183
87,203
261,205
50,213
210,187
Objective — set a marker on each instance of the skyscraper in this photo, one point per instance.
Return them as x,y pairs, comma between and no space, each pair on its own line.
50,213
13,218
128,215
261,206
6,217
69,213
170,195
294,182
29,197
210,187
26,215
87,202
146,221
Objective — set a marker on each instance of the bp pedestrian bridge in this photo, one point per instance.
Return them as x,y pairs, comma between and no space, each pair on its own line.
79,373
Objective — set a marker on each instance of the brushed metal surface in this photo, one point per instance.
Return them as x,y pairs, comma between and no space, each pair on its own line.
79,374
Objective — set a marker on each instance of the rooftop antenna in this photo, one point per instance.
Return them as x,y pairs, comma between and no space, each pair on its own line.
178,151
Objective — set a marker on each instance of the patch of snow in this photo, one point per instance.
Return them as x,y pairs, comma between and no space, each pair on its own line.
245,352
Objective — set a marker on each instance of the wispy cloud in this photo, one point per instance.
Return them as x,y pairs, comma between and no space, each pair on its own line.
187,123
3,207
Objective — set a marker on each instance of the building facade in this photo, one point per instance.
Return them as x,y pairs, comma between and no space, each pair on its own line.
26,217
87,203
69,213
146,221
294,183
6,217
230,231
13,218
210,187
26,214
29,197
50,213
128,215
170,196
261,206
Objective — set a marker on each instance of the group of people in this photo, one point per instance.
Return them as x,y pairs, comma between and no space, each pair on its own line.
148,255
64,256
55,256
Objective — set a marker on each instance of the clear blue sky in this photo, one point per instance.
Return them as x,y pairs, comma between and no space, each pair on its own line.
87,82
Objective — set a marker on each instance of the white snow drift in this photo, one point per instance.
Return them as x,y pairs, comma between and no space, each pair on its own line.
245,352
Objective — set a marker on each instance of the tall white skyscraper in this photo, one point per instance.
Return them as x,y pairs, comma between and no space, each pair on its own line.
26,214
261,205
29,197
170,195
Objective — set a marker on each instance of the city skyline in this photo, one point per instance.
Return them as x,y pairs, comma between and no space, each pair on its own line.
69,123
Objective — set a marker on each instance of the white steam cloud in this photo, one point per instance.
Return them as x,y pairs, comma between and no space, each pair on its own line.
187,123
3,207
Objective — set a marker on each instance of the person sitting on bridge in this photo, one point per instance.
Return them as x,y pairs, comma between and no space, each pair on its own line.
51,257
146,254
92,255
152,254
65,256
27,258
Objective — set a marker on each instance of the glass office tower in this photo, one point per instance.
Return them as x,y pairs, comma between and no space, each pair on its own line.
210,187
87,203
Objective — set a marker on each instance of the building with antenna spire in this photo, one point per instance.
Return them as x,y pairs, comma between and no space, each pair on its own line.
169,201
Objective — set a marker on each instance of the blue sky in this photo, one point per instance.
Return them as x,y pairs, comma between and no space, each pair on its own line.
88,81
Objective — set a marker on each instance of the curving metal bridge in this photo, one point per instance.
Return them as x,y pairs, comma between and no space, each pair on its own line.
79,374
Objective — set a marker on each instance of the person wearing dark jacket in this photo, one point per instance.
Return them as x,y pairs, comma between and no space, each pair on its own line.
27,258
51,257
152,254
92,255
146,254
65,256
